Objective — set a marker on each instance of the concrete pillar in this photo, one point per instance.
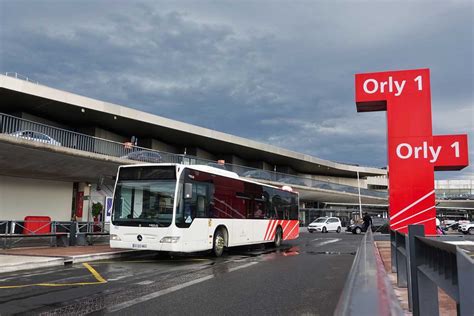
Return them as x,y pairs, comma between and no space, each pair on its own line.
85,188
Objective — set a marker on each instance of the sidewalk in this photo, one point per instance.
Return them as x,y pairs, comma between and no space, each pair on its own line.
447,306
40,257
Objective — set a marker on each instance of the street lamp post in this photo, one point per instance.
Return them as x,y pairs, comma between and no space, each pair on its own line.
358,188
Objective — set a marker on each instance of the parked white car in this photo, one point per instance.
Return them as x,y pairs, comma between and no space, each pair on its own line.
325,224
36,136
467,228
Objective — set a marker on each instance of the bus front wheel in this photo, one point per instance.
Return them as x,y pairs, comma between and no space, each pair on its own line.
219,243
278,237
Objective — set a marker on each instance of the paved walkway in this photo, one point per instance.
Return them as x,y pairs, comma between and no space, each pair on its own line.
39,257
447,306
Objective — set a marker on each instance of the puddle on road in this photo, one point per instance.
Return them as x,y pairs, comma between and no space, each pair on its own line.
293,251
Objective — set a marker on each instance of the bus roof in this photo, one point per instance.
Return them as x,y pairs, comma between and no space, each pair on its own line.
204,168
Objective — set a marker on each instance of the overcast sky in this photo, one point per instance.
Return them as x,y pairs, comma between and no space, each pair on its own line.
279,72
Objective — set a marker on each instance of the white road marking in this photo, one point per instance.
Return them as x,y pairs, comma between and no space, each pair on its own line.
120,277
329,241
242,266
168,290
147,282
157,294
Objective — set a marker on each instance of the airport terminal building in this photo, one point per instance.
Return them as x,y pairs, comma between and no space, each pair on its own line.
59,154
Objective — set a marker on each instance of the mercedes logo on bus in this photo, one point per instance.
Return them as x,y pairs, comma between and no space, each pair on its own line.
139,237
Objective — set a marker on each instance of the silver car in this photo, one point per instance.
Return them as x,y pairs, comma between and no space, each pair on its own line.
36,136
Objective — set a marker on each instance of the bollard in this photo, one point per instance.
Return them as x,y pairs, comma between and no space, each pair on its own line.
393,251
401,258
465,268
72,233
413,232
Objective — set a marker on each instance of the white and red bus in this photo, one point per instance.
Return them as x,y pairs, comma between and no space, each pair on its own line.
181,208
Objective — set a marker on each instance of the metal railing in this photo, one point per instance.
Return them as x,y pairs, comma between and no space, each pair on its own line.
455,196
46,134
425,264
42,133
19,76
53,233
368,290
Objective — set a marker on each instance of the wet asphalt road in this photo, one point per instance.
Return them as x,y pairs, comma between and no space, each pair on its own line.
304,276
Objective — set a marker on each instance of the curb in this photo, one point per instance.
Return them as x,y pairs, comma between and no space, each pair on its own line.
48,262
62,261
99,256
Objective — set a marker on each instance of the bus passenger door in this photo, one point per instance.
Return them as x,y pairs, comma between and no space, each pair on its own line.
259,220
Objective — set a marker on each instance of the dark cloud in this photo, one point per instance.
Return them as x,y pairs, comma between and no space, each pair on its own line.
277,72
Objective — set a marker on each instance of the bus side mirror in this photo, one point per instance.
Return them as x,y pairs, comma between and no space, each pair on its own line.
188,190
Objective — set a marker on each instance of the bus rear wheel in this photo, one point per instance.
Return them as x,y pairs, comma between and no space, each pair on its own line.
219,243
278,237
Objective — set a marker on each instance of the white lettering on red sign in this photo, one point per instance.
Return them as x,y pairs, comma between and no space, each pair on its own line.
372,86
455,145
407,151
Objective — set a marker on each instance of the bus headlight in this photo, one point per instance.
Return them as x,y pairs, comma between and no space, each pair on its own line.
169,240
114,237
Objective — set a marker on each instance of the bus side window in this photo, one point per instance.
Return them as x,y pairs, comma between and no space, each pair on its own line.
259,210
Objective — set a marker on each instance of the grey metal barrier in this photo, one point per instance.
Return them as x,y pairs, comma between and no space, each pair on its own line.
368,290
424,263
16,232
20,76
42,133
436,264
393,250
401,260
55,233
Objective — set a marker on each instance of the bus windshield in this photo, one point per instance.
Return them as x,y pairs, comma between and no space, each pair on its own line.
149,203
146,203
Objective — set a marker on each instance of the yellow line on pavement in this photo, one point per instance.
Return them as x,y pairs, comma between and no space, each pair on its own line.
48,285
96,275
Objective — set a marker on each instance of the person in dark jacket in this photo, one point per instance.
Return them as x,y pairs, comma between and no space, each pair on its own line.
367,222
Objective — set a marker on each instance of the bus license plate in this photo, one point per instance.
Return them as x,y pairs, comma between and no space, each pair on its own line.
140,246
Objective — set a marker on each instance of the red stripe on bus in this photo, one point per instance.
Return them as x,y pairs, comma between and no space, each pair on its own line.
292,233
272,236
285,231
268,229
296,234
296,231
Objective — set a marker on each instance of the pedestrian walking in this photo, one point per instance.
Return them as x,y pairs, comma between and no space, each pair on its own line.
367,222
